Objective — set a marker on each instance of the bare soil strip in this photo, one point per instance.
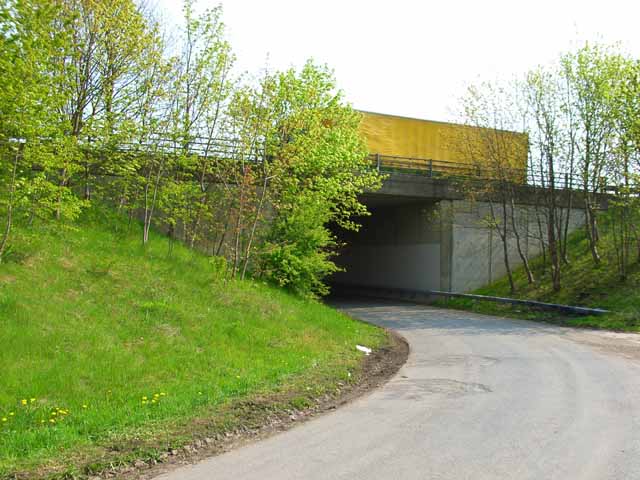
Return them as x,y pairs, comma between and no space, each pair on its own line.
258,418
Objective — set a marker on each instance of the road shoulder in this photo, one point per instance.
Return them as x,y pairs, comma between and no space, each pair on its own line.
262,417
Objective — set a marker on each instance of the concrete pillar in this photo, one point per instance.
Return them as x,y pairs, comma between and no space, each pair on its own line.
446,244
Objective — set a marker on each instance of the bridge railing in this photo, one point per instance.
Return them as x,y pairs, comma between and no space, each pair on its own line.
420,166
447,169
218,148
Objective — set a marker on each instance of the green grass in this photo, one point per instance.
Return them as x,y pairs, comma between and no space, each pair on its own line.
109,343
583,284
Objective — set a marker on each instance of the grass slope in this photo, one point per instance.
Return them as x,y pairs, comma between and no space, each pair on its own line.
104,342
583,284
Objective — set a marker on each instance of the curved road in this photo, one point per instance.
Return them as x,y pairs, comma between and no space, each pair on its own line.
479,398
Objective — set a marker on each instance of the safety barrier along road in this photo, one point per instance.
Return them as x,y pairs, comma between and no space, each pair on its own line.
428,296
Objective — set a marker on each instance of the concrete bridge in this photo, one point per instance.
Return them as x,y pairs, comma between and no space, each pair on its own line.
424,235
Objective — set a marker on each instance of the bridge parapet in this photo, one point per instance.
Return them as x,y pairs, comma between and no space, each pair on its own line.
446,169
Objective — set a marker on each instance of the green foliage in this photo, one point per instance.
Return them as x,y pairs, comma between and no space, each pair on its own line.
250,170
112,338
321,167
584,285
581,116
35,158
598,78
89,317
299,256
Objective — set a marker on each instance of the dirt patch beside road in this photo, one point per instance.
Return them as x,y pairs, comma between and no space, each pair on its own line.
260,417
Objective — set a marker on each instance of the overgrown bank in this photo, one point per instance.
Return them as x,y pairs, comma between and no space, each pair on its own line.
251,167
113,351
583,285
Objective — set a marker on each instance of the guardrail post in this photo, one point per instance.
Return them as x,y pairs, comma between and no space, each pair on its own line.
378,161
431,168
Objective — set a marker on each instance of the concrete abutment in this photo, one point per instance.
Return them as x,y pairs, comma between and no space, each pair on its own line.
435,244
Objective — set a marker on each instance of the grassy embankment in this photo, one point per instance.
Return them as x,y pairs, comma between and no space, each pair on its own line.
583,284
112,352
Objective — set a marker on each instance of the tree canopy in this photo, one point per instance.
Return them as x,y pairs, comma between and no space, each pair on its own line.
96,105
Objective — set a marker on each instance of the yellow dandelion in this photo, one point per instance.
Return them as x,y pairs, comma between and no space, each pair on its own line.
41,421
199,393
32,400
85,406
162,394
53,414
11,414
144,398
23,401
51,420
153,401
4,419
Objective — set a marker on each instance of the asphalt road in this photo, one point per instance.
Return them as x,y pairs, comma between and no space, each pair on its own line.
479,398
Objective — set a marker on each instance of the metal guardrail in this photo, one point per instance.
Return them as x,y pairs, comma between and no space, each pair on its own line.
446,168
228,148
401,293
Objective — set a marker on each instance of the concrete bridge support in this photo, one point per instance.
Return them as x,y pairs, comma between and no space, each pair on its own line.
435,245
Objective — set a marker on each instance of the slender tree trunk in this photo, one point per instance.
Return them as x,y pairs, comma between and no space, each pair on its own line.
568,181
87,175
12,191
223,235
172,239
238,228
147,216
591,230
503,234
194,232
150,208
565,232
559,227
263,195
553,249
635,231
61,185
623,244
595,229
521,253
507,265
541,235
552,221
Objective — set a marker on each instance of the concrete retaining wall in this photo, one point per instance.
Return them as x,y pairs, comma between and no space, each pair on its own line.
398,246
429,245
477,251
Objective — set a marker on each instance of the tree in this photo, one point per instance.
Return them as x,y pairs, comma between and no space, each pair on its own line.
252,115
493,148
543,94
321,164
93,108
203,85
33,149
625,207
592,73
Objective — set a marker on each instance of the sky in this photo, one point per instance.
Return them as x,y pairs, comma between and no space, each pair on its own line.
416,58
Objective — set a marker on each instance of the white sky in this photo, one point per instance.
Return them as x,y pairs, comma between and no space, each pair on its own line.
415,58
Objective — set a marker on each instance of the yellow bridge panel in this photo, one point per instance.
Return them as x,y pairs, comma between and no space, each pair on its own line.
389,135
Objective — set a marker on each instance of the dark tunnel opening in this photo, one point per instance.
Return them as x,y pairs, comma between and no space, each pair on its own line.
397,246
